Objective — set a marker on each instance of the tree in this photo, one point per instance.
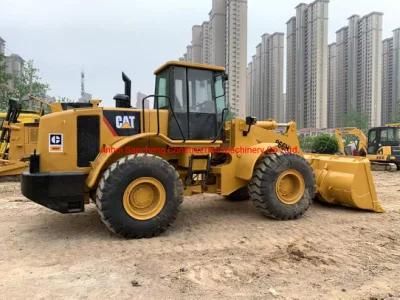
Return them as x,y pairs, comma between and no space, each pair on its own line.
29,82
325,144
356,119
4,87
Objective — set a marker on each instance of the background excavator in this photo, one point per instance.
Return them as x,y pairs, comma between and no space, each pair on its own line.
381,147
137,164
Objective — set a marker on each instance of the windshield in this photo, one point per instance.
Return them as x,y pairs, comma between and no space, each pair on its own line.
390,135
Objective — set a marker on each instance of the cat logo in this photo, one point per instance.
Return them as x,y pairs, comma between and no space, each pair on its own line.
125,122
56,142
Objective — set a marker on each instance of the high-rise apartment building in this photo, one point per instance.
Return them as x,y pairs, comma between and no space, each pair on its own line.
256,102
14,66
189,53
307,58
340,78
139,101
236,54
222,41
332,63
218,32
387,80
205,43
359,69
291,103
2,46
391,79
265,87
197,44
249,89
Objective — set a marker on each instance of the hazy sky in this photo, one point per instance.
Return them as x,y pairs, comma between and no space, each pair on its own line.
107,36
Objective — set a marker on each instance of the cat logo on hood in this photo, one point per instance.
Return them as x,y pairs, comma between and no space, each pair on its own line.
125,122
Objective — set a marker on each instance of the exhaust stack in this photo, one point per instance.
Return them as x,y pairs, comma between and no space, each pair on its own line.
128,85
124,100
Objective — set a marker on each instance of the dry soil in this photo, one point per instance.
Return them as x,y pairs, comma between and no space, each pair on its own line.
215,249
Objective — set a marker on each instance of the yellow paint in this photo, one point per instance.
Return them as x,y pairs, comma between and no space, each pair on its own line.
344,180
144,198
290,187
188,65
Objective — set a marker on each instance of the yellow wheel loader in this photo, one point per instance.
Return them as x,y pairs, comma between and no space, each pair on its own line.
19,131
381,147
137,164
18,137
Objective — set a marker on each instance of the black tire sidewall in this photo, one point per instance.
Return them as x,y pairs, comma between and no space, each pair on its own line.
120,178
276,164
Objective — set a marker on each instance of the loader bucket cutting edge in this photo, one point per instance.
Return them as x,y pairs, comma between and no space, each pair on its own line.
345,181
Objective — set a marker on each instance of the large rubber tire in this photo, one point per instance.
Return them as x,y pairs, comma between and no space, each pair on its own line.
117,178
241,194
262,187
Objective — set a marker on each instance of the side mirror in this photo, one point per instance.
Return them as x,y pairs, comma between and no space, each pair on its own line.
251,120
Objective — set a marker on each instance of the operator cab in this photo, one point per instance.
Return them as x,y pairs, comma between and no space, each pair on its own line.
195,96
383,136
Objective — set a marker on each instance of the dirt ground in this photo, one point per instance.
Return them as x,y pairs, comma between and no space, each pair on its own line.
215,249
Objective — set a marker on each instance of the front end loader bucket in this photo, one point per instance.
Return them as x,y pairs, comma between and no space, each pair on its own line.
345,181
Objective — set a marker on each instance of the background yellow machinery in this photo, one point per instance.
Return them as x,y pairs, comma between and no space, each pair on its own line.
382,149
19,128
137,164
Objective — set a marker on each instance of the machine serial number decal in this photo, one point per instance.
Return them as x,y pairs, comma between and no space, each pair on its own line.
56,142
282,145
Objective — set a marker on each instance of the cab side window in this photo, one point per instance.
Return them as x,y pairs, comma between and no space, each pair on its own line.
372,142
372,136
161,90
384,135
220,94
180,101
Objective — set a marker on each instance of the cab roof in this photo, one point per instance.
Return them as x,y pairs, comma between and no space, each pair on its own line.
188,65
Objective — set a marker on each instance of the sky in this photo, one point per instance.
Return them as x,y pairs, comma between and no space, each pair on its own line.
105,37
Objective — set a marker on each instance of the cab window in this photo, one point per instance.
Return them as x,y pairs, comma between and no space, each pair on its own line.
162,90
200,91
388,135
384,135
220,93
372,136
180,101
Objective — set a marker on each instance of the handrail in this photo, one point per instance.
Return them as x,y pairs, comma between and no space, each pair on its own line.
219,132
158,113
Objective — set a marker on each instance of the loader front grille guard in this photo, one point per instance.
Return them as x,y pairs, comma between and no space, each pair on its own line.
156,97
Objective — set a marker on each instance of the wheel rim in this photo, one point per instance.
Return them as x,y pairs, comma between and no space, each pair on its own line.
290,187
144,198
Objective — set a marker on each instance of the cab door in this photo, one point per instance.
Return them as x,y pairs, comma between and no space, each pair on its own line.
194,115
201,105
373,141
